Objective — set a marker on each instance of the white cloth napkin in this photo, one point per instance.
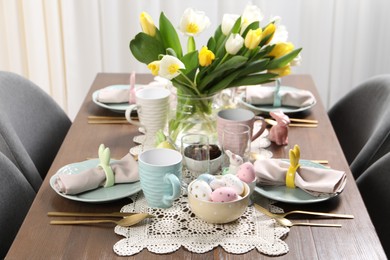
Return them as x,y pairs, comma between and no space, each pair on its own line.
125,170
316,181
113,95
263,95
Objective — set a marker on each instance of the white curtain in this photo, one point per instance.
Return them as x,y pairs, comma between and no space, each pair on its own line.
62,44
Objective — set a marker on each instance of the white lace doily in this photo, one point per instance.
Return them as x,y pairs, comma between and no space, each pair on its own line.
177,227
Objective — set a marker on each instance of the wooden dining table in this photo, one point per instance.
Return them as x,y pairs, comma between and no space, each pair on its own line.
37,239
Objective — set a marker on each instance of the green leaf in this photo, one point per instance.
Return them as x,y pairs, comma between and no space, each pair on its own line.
191,63
211,44
255,25
253,79
218,33
263,52
146,48
224,83
221,70
169,35
284,60
254,67
237,25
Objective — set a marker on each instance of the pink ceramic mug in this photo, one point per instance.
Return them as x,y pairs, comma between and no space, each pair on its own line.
228,117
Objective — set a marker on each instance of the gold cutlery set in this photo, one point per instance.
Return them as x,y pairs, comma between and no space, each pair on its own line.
122,120
130,219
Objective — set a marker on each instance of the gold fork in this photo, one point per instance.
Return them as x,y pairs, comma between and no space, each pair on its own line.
282,215
287,223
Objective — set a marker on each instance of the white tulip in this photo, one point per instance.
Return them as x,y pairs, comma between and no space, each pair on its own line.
193,22
281,33
251,14
234,43
170,66
228,21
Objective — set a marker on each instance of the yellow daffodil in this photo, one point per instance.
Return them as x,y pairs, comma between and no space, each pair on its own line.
154,67
228,21
193,22
251,14
284,71
253,38
281,49
170,66
205,56
147,24
269,30
234,43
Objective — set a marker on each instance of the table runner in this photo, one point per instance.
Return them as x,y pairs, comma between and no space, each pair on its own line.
177,227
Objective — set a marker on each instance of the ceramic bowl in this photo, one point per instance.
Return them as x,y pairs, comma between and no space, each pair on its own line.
200,167
219,212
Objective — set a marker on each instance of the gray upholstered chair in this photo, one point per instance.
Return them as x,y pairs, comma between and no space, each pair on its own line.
374,186
31,115
361,120
16,196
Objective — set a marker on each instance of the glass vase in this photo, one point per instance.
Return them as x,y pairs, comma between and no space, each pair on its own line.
194,115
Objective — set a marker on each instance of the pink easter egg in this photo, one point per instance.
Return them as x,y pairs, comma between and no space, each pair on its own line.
246,172
224,194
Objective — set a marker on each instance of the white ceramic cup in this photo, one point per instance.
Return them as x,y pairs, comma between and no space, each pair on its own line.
152,104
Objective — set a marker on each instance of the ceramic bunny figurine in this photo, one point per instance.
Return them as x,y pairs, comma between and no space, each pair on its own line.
279,132
235,160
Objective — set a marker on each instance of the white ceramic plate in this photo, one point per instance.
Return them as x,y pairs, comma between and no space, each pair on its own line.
293,196
268,108
118,191
116,107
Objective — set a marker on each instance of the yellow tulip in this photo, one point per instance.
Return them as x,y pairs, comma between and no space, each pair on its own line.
253,38
269,30
281,49
154,67
147,24
206,57
283,71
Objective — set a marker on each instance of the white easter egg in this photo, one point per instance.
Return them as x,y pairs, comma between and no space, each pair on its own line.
234,182
217,183
200,190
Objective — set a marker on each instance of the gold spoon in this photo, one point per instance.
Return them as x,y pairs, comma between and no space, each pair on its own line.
125,222
287,223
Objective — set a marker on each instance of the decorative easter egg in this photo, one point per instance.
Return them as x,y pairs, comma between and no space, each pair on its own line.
234,182
246,172
217,183
201,190
206,177
224,194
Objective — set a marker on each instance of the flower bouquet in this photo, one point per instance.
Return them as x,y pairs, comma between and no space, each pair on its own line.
241,52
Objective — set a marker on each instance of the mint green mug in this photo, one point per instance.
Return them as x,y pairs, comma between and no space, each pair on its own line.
160,176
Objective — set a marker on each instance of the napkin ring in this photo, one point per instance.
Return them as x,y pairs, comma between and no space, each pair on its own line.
277,95
294,155
104,158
